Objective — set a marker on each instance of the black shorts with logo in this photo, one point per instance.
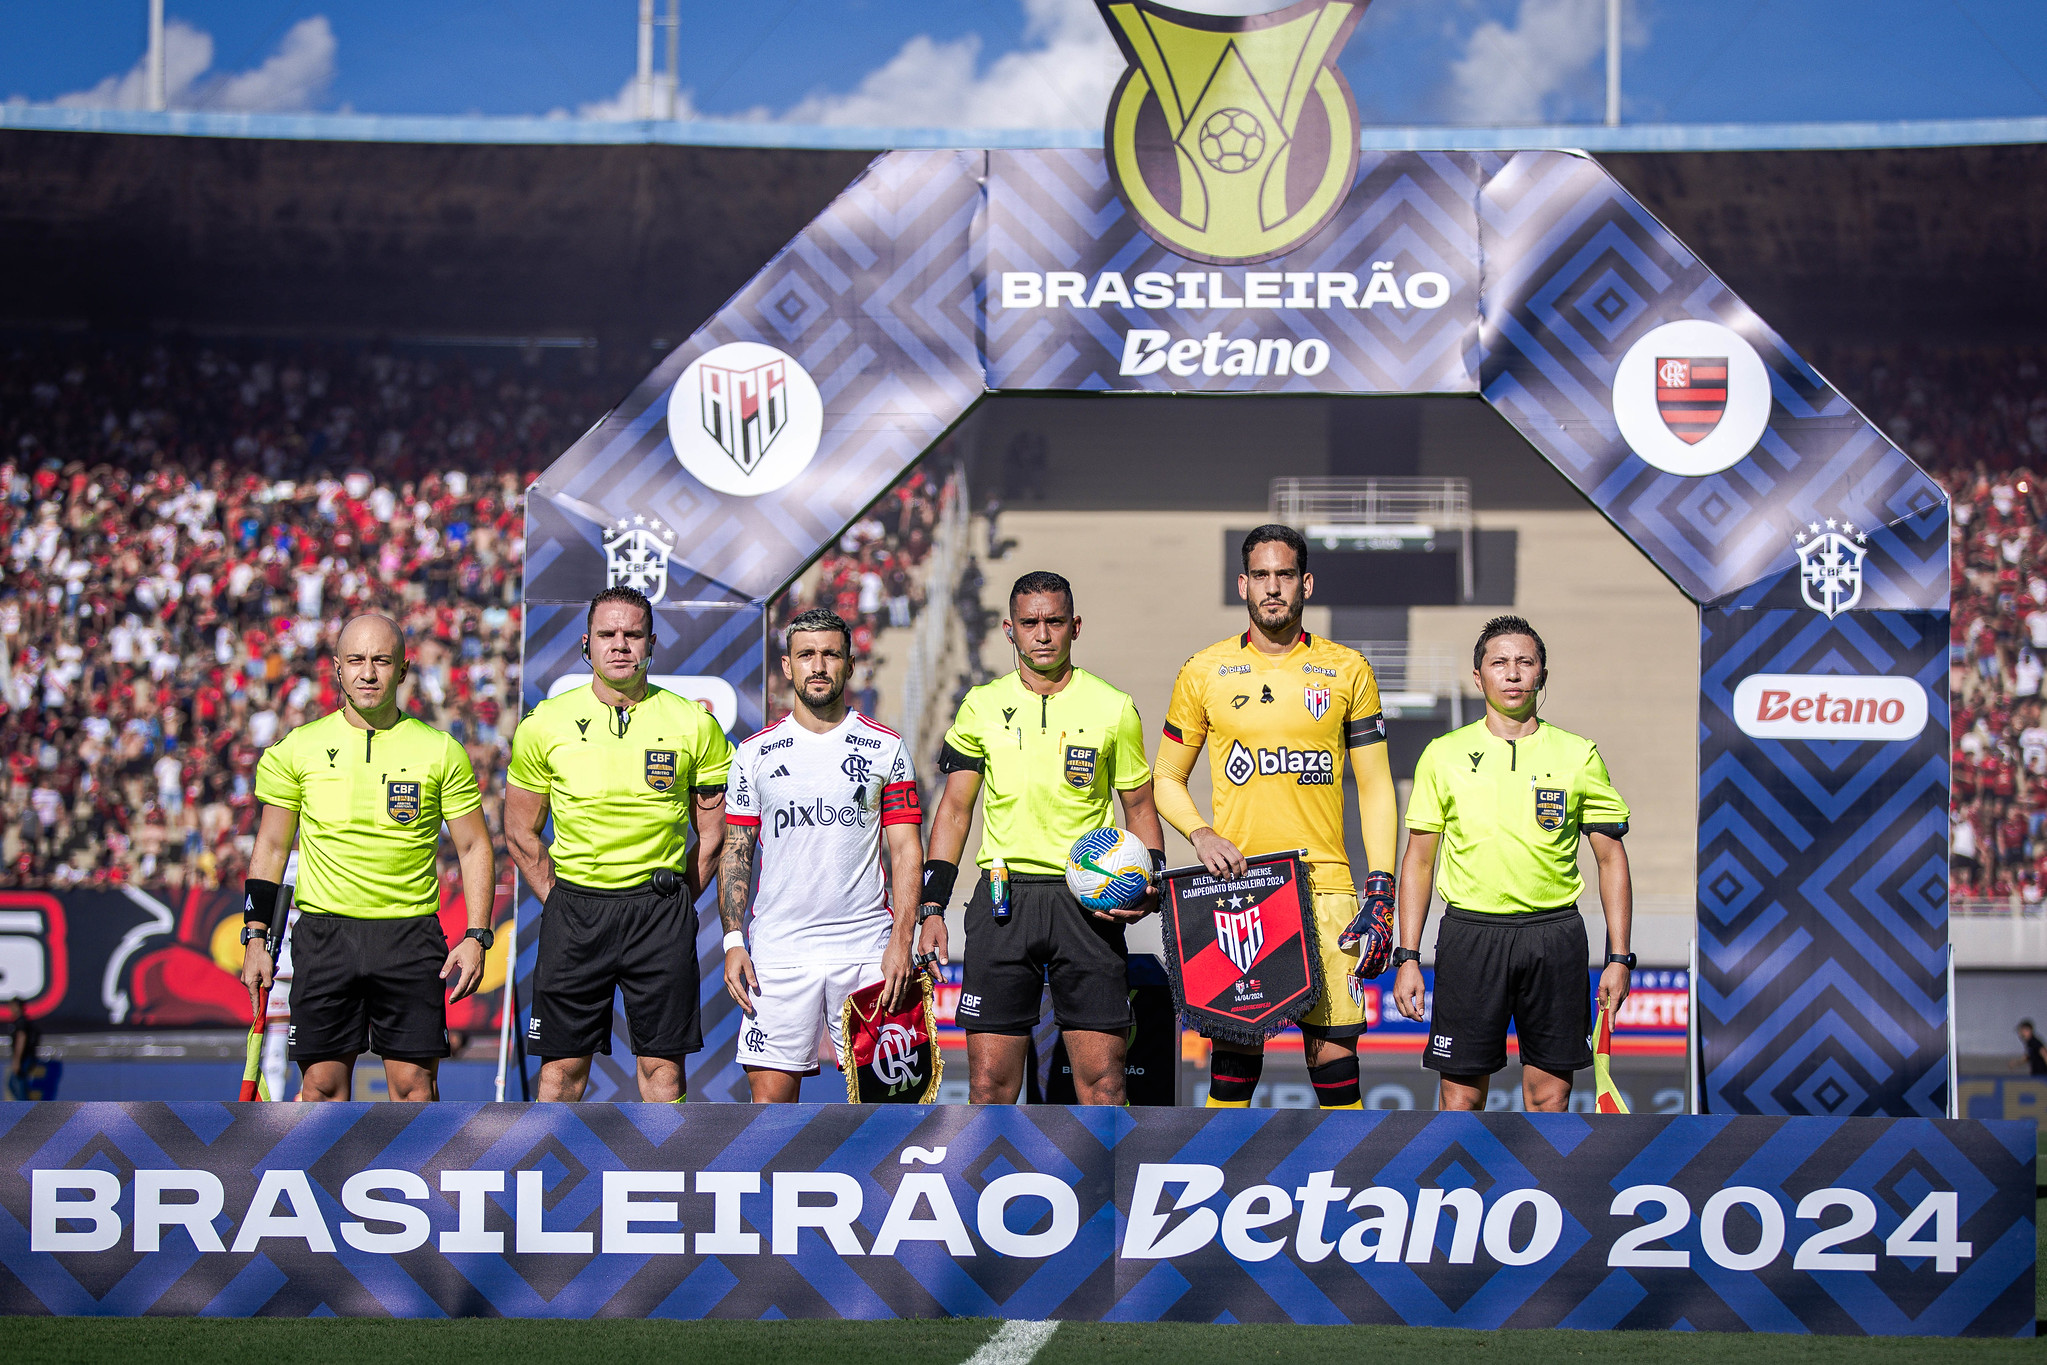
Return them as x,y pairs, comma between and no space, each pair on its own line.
637,942
1047,934
368,985
1530,967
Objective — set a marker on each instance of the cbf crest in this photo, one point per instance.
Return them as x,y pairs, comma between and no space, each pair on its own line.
636,554
1549,808
661,768
1232,138
1080,766
1830,565
402,801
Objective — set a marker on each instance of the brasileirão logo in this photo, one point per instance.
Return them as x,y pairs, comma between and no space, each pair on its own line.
1232,138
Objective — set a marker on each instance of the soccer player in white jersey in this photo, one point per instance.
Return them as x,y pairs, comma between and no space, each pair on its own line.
816,796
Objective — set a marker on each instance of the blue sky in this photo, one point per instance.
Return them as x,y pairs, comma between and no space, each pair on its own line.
1035,63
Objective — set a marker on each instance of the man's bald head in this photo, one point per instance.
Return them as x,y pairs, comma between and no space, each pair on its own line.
369,660
374,632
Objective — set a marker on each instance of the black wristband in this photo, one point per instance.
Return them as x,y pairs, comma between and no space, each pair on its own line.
259,900
939,876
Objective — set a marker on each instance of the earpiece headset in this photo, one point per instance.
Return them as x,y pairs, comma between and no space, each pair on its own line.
586,649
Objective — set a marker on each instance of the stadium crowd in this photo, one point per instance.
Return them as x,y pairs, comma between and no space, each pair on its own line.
1977,421
184,527
185,524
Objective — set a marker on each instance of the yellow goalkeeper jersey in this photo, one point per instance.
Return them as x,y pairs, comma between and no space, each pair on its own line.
1277,728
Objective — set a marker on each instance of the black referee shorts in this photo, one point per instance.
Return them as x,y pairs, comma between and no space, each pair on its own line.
636,942
368,985
1047,934
1528,967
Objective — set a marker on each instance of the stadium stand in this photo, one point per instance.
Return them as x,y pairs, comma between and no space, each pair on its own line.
1977,421
184,526
184,523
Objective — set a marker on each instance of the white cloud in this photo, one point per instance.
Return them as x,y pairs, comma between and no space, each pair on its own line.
1528,72
293,77
188,52
1059,78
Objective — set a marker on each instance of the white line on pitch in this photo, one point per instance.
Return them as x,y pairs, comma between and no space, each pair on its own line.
1014,1343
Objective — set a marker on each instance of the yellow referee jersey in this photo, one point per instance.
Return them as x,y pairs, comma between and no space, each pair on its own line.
618,787
1510,812
1049,764
1277,728
370,805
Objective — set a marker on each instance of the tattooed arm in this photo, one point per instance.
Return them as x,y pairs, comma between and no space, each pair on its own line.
735,893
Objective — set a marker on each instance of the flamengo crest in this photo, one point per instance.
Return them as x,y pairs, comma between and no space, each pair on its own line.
636,556
1830,565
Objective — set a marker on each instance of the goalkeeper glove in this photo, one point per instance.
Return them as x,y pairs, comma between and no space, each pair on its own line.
1373,927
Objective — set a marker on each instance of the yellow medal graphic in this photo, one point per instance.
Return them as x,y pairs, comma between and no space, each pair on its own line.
1233,139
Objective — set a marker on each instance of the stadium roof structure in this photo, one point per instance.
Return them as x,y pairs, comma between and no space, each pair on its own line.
635,233
1644,137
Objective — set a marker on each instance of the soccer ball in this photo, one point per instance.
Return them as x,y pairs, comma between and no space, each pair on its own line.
1108,869
1232,140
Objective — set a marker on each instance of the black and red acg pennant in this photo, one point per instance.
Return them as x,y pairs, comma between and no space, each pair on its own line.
1241,951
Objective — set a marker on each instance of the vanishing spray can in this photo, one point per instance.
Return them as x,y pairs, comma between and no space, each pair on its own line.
998,890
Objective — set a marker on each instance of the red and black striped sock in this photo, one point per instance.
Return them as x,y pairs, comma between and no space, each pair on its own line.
1336,1083
1233,1078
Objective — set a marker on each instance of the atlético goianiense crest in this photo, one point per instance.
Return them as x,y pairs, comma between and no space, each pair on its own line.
1691,395
745,410
1318,700
1233,138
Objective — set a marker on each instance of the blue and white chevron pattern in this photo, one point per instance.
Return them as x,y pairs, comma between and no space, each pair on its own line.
956,1154
1822,876
891,301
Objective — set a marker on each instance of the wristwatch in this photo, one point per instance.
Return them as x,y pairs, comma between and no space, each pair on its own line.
483,936
255,929
1401,955
927,910
1625,959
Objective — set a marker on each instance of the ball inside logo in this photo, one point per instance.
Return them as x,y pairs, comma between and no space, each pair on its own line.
745,419
1692,397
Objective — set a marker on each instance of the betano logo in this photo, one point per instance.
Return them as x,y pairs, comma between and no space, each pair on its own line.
1824,706
1232,138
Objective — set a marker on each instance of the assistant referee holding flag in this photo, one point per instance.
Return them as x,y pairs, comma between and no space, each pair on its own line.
364,791
622,766
1503,800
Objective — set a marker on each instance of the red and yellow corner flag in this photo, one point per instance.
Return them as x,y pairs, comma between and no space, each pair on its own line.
254,1087
1605,1098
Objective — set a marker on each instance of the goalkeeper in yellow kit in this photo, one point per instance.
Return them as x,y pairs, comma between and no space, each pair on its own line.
1278,708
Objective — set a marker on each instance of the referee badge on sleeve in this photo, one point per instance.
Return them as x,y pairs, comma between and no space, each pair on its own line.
401,801
1549,808
661,769
1080,766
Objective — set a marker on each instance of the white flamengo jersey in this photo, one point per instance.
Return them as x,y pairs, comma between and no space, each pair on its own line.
820,803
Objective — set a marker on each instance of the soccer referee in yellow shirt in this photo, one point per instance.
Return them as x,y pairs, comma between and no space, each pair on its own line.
1046,746
1502,803
364,791
1278,709
622,766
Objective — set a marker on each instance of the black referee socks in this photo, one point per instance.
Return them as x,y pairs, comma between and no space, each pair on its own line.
1233,1078
1336,1083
